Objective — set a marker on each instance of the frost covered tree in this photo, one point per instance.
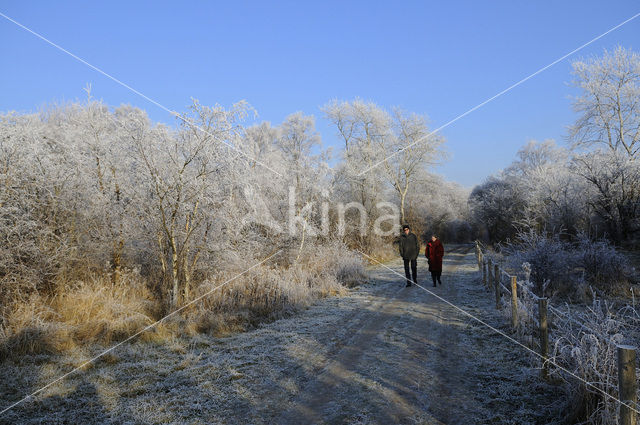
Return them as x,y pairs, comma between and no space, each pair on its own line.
498,204
553,194
411,151
262,205
184,177
37,237
109,161
440,207
296,142
549,190
614,191
360,125
305,174
385,154
71,165
279,207
609,105
543,191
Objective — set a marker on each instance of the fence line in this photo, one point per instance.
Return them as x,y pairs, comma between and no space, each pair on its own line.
492,274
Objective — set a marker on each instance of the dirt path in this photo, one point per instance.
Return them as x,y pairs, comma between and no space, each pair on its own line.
382,354
389,339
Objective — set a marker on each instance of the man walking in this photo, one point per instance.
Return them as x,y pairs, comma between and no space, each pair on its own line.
409,249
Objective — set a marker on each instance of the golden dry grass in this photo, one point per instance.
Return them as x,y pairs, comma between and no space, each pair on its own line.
101,311
91,311
94,310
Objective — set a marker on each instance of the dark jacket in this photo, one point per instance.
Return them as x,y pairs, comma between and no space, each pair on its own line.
434,253
409,247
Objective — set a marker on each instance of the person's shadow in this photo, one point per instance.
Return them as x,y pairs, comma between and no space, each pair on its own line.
84,402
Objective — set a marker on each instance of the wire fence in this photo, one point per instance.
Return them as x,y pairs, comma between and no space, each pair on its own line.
597,355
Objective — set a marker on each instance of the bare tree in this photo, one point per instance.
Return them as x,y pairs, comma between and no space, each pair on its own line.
363,128
398,143
304,172
553,194
609,105
614,194
184,172
440,207
498,204
410,152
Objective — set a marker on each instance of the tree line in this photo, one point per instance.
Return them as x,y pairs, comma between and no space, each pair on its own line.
90,190
591,186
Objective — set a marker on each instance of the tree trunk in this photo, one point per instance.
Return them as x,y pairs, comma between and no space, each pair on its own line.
174,274
304,227
116,260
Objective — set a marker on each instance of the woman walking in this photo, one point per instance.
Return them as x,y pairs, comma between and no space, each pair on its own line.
434,253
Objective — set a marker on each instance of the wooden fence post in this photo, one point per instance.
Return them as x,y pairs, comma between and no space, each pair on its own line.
484,273
627,383
496,275
496,287
489,269
514,302
544,336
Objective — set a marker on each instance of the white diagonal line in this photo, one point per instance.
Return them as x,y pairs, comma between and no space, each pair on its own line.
545,360
134,335
422,139
158,104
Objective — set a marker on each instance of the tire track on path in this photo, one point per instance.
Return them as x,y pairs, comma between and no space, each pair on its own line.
344,382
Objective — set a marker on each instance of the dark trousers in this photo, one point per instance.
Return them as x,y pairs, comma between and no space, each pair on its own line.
436,275
414,270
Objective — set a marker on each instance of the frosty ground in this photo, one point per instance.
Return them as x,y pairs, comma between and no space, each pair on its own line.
381,354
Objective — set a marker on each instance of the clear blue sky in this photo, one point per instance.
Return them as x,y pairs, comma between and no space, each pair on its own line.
435,58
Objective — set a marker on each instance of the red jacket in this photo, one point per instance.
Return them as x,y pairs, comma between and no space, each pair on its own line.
434,253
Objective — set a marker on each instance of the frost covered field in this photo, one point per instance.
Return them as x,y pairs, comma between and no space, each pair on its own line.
223,249
380,354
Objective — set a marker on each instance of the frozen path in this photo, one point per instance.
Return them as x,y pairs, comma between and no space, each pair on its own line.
398,357
382,354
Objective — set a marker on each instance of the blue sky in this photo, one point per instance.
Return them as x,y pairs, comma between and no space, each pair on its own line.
433,58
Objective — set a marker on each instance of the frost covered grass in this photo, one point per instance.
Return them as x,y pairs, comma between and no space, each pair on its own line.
100,311
382,253
568,269
583,340
266,293
95,310
404,357
197,378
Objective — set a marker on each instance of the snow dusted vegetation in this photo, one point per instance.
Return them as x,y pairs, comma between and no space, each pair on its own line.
381,353
247,280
